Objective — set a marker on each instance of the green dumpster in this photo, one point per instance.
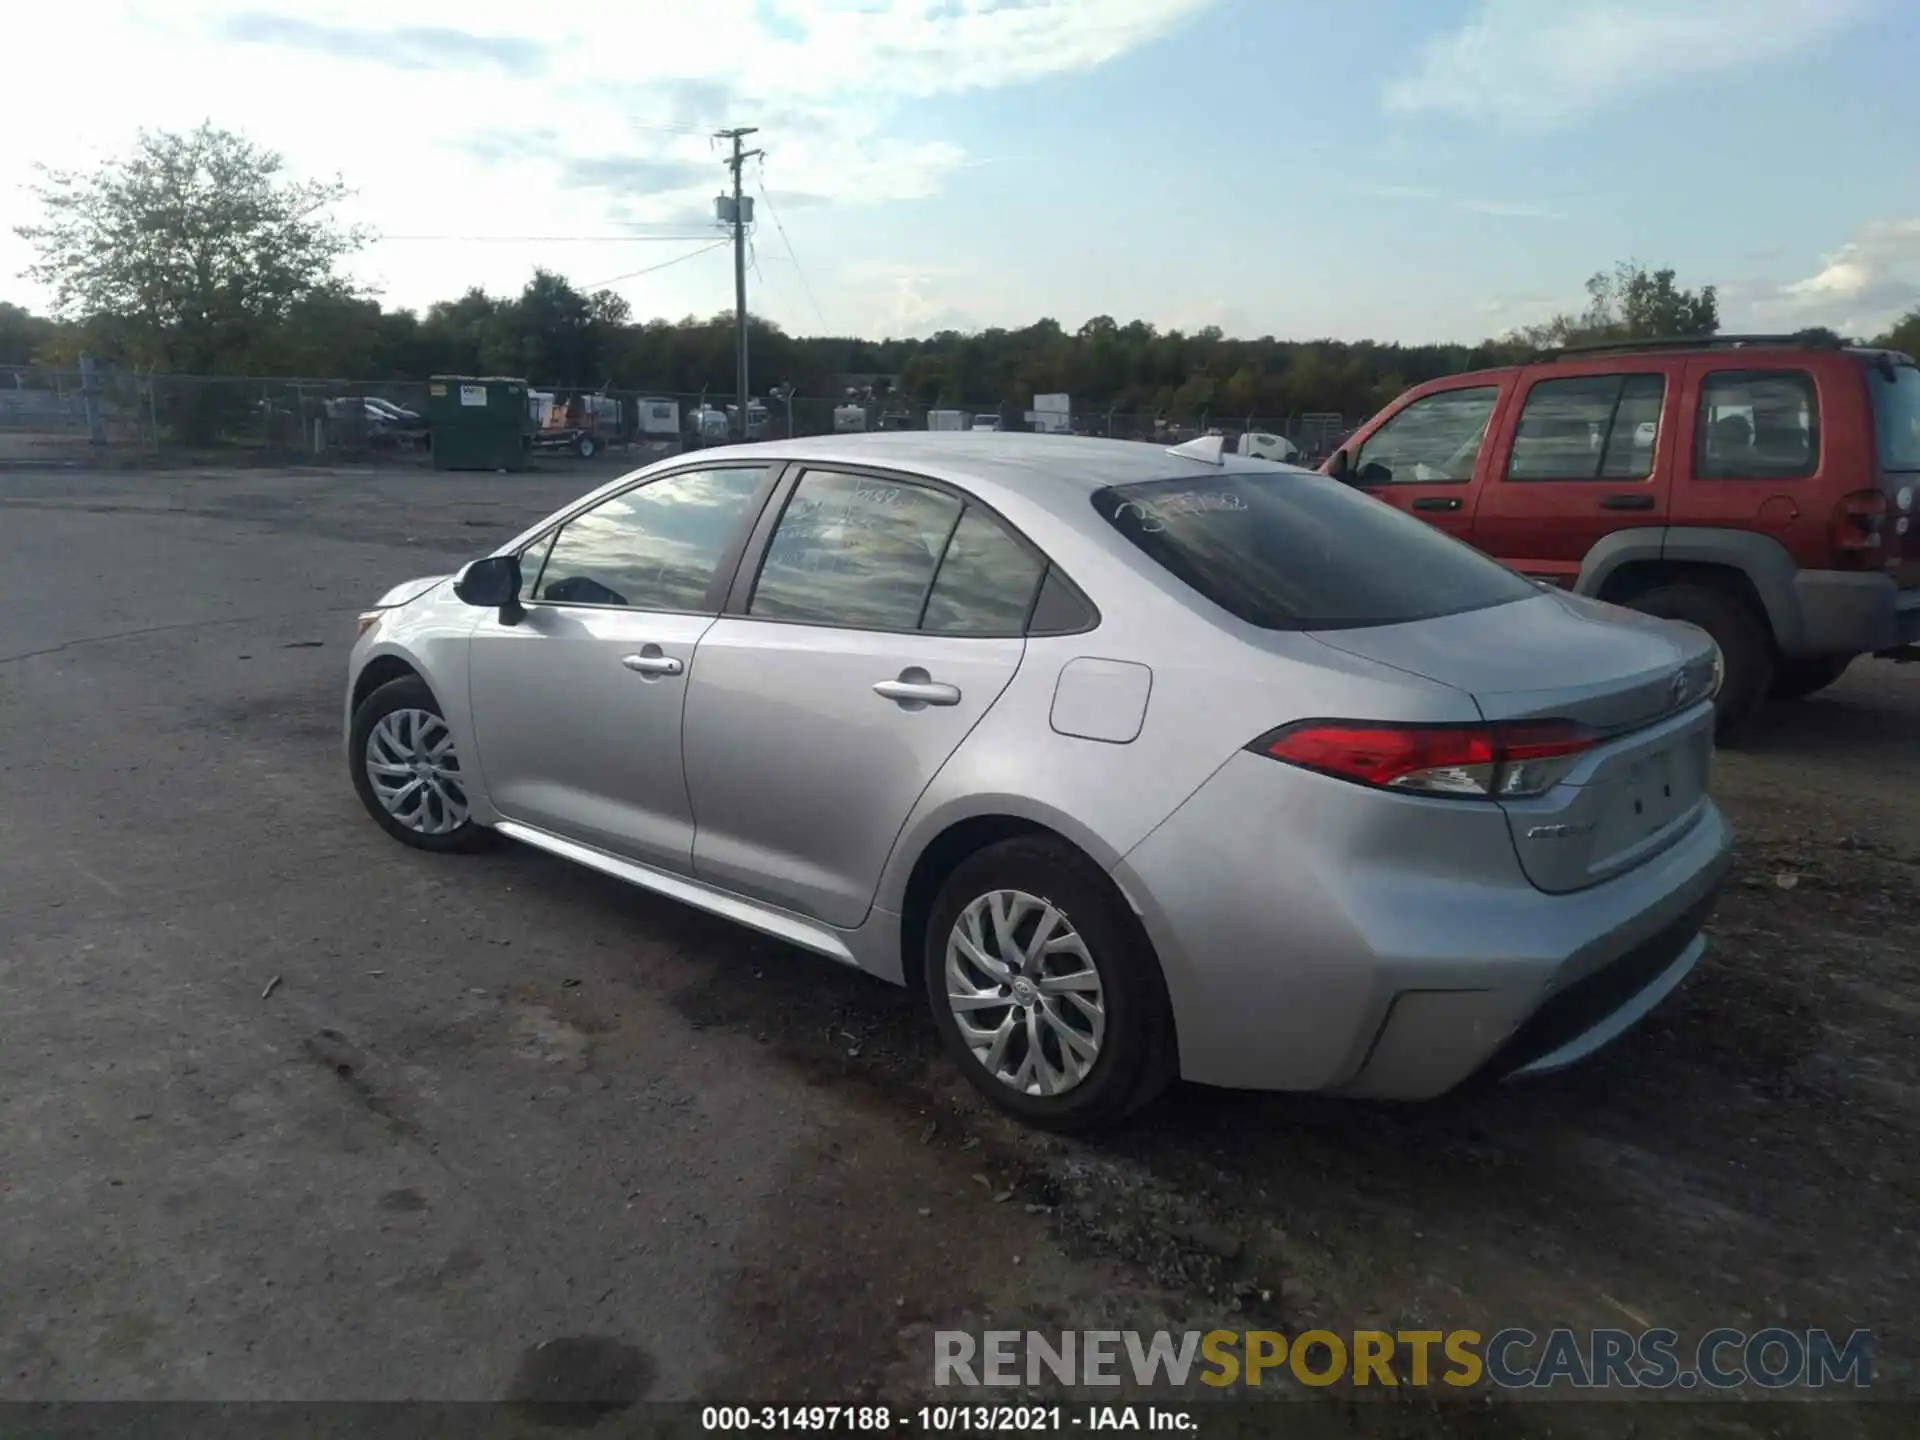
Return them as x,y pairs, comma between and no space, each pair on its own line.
478,422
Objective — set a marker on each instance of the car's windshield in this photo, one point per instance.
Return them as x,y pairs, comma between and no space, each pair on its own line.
1896,416
1291,550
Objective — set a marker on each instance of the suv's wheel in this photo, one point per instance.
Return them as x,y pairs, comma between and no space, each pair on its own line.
1797,679
1746,645
406,770
1043,988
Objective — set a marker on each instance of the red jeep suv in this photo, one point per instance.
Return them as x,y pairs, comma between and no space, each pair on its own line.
1761,487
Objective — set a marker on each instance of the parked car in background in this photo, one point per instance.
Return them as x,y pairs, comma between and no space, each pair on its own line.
1136,762
379,420
1760,487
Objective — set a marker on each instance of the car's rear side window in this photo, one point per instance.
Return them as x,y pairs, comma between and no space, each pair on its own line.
1757,425
1297,551
854,551
986,580
1896,416
1588,427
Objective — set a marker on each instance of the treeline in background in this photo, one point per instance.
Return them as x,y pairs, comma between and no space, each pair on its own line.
196,254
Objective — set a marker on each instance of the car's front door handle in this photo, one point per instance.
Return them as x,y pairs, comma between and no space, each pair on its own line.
1437,502
1627,502
652,664
915,690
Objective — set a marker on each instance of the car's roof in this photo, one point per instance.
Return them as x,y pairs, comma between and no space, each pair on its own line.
1035,466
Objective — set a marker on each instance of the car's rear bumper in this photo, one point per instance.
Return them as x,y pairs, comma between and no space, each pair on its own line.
1847,613
1401,956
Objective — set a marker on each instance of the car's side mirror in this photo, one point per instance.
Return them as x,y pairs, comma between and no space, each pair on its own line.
493,584
1338,465
1374,473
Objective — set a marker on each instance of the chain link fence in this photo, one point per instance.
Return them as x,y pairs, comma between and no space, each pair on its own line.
53,415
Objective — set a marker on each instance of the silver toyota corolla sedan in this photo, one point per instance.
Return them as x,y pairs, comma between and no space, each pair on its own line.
1141,763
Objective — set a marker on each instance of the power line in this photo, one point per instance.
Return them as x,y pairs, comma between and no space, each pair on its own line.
648,270
760,183
540,239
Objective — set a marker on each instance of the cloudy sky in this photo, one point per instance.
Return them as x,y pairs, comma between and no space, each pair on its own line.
1400,169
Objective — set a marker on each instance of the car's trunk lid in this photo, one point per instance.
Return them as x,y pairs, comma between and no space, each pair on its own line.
1641,684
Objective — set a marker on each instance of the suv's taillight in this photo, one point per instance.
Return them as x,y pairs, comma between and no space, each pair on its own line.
1472,761
1859,532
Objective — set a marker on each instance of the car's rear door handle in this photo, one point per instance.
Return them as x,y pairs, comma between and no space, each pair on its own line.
1627,502
1437,502
915,689
652,664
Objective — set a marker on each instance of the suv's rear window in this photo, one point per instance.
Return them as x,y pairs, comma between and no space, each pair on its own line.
1896,416
1297,551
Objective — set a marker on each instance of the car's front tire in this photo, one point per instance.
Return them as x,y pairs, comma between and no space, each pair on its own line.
406,769
1044,989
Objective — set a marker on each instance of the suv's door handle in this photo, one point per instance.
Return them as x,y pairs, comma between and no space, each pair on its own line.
655,664
1437,502
1627,502
914,690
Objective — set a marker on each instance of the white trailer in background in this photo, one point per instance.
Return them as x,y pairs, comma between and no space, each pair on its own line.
849,419
658,417
946,420
1051,414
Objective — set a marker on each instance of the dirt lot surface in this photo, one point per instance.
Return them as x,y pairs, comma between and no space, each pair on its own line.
288,1111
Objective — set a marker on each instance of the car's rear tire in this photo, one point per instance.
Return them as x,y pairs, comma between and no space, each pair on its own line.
407,771
1085,1034
1746,645
1797,679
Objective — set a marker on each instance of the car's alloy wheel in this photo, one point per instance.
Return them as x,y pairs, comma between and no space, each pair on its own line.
414,772
1025,993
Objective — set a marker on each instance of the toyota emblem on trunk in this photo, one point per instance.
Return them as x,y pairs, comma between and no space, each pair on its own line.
1678,689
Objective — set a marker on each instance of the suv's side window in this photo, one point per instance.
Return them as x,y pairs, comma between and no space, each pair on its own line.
854,551
1588,427
1435,439
654,547
1757,424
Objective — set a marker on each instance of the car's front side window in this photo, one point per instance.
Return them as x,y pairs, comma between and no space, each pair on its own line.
1435,439
854,551
654,547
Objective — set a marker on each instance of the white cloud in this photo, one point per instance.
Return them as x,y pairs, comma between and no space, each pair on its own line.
1427,194
1860,289
1542,63
491,117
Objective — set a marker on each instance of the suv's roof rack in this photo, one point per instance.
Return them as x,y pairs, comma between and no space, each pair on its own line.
1805,340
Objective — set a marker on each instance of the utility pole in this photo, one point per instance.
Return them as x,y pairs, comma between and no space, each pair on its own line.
739,216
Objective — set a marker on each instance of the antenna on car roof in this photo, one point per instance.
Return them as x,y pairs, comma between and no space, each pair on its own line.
1208,449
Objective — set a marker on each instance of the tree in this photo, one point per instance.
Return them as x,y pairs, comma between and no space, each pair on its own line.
1631,303
1905,335
23,335
195,244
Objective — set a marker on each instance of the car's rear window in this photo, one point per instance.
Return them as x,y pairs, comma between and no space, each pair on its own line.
1297,551
1896,416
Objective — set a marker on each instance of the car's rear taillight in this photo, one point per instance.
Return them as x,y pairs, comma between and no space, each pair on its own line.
1859,532
1507,761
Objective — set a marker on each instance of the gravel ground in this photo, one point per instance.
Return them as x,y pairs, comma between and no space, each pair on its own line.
505,1128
